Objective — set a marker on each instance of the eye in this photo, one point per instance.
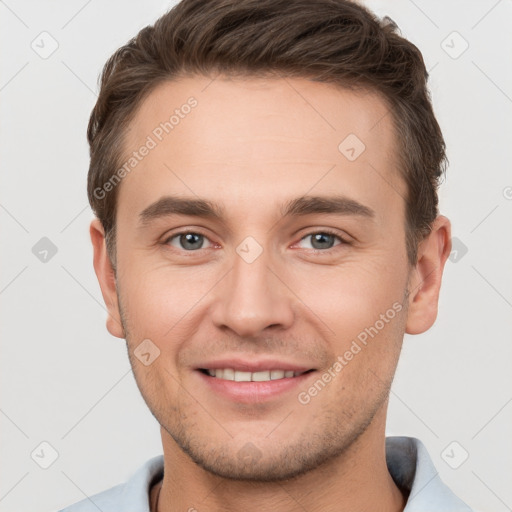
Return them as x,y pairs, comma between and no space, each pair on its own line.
323,240
187,240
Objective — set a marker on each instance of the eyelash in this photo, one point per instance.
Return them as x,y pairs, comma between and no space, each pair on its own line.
342,240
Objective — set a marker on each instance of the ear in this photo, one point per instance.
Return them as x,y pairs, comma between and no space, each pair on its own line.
106,278
425,279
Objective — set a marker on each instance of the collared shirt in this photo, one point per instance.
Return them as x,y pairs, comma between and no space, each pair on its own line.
407,459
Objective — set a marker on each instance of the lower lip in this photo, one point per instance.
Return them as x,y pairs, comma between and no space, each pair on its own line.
251,392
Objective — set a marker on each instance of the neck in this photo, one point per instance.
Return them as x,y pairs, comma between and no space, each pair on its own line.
356,480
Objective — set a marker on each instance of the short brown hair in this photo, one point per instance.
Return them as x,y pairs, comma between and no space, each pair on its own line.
333,41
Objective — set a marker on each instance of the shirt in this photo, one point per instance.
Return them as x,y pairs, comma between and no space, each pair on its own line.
407,459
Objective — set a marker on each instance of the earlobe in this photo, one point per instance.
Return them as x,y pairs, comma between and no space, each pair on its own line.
106,278
425,280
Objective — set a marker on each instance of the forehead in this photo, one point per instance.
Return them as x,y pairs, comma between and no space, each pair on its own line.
240,139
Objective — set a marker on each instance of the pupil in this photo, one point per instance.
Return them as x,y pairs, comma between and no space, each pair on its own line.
320,240
188,241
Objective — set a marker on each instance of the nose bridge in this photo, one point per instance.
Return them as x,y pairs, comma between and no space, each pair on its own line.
252,298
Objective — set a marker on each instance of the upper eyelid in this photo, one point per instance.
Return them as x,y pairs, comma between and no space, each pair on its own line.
186,232
183,231
340,237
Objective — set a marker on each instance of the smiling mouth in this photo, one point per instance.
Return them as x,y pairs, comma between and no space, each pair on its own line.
242,376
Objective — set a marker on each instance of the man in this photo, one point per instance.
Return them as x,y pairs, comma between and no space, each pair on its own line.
264,176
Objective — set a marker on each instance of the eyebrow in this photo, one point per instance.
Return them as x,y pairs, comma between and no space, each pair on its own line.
173,205
341,205
300,206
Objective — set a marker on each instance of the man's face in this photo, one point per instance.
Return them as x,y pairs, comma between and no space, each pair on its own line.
257,290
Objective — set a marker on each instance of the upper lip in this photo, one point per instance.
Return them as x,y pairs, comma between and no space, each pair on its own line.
252,366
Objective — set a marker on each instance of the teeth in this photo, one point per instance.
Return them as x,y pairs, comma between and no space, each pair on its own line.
242,376
229,374
263,376
260,376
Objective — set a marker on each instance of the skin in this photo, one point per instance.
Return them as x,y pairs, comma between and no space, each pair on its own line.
250,145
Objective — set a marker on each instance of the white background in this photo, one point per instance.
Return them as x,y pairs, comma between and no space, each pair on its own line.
66,381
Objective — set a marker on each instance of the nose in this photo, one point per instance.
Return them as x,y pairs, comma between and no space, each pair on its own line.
253,297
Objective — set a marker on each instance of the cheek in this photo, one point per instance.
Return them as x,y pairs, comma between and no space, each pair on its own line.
158,301
366,321
362,308
352,296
